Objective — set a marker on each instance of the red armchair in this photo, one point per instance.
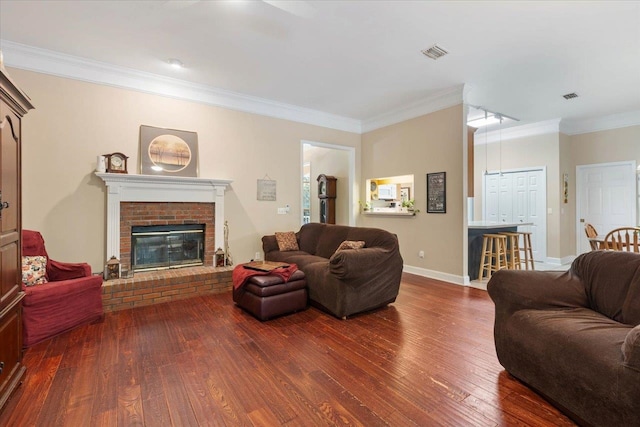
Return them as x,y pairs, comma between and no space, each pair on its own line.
71,297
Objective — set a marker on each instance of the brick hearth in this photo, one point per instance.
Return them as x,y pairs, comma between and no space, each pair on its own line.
155,287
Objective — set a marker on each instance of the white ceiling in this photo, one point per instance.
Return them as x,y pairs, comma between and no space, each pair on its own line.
361,59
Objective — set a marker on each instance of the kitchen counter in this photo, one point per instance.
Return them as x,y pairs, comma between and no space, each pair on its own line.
475,232
485,225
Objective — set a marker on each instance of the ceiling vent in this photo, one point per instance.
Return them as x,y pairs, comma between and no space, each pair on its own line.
570,95
435,52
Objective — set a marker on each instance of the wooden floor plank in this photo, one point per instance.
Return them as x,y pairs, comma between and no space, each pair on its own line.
427,359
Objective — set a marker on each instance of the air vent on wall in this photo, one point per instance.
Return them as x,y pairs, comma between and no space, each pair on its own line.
570,95
435,52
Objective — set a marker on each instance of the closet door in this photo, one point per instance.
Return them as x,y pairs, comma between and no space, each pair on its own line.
506,197
491,197
519,197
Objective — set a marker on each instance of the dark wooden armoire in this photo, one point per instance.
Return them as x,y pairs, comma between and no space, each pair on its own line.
14,104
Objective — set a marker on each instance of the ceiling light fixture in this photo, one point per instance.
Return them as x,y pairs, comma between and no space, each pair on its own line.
483,121
175,63
570,95
489,118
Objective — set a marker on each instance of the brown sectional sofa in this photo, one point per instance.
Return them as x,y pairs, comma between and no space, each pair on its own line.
350,281
575,337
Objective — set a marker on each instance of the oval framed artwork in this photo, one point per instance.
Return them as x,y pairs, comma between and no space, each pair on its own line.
168,152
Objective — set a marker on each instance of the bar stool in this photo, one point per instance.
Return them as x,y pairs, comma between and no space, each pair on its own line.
526,248
494,254
513,249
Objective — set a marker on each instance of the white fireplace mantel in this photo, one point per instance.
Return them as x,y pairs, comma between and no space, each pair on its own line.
160,188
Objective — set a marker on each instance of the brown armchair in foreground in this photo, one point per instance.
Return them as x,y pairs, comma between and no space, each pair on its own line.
70,297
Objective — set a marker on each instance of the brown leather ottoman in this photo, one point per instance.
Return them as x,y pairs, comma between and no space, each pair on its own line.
269,296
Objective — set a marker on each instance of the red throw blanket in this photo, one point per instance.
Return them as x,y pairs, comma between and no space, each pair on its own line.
241,275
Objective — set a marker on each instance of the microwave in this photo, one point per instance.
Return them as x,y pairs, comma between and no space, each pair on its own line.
387,191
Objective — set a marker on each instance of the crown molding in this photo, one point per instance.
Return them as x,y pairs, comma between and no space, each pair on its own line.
539,128
439,101
614,121
49,62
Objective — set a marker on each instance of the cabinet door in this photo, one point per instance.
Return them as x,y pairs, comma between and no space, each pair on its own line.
11,368
10,213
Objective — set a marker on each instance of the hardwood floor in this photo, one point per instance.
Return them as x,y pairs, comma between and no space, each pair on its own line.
426,360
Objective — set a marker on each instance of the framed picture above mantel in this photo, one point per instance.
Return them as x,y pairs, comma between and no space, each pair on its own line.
168,152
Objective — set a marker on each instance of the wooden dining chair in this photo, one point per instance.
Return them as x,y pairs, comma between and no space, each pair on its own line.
623,239
591,232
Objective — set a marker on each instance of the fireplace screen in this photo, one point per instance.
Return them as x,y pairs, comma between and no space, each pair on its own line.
158,247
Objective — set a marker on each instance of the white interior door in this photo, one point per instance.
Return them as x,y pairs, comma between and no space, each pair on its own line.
491,196
506,197
606,195
519,196
537,212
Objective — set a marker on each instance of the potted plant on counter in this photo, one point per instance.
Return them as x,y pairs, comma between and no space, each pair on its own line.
408,206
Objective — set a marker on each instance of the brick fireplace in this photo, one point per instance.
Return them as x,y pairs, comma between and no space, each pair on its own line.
154,193
165,213
163,200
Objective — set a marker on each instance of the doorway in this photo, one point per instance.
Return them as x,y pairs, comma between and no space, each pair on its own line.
329,159
605,198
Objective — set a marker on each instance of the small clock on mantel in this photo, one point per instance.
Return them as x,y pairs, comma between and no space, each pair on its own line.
116,163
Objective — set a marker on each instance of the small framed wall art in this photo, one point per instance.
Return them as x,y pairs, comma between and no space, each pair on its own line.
437,192
168,152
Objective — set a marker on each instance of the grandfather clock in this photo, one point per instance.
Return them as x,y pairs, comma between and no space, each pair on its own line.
327,196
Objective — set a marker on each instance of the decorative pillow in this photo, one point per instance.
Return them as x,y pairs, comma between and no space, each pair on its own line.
34,269
351,244
287,241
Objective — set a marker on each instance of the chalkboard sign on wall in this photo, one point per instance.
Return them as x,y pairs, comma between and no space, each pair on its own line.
437,192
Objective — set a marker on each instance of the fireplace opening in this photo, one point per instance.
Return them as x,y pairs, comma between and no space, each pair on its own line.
158,247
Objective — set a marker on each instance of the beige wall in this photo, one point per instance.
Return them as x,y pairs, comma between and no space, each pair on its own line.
430,143
75,121
614,145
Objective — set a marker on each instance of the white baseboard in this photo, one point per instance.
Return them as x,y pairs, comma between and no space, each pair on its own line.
438,275
560,261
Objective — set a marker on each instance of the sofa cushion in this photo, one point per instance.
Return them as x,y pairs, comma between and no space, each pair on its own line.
287,241
608,277
309,235
34,270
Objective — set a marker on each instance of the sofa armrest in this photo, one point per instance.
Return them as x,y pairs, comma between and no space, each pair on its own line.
269,243
57,270
631,349
359,263
513,290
